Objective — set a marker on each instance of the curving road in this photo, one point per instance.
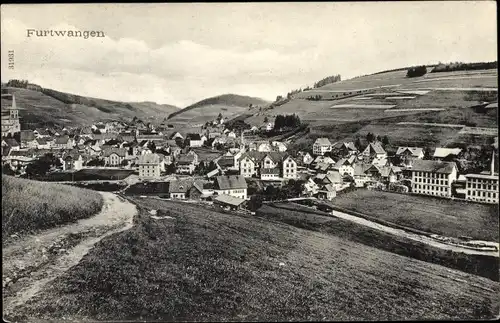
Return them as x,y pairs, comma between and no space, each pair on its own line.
33,261
413,236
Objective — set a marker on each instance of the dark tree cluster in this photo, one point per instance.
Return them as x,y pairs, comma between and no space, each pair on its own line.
459,66
327,80
370,137
18,83
42,165
416,71
314,97
286,121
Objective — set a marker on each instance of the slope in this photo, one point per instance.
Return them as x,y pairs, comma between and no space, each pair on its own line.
203,265
385,99
50,107
229,105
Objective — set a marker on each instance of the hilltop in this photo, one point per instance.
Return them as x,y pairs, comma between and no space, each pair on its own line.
230,105
378,103
55,108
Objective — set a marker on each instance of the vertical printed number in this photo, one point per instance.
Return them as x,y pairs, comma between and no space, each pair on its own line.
11,59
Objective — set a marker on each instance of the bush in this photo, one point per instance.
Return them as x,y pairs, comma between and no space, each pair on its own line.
416,71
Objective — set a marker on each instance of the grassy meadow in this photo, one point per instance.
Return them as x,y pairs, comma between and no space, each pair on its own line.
202,265
426,213
28,206
303,217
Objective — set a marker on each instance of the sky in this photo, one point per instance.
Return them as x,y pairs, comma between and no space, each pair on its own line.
180,53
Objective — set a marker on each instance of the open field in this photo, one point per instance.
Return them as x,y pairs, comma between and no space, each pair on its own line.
28,206
385,123
208,113
213,266
482,78
229,105
440,216
310,219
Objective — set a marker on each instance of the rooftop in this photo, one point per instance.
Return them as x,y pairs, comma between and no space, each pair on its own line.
322,142
229,182
228,199
444,152
148,159
433,166
414,151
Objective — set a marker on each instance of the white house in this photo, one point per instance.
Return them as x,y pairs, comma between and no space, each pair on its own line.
289,168
346,166
279,146
149,166
408,154
115,156
374,151
321,146
233,185
247,166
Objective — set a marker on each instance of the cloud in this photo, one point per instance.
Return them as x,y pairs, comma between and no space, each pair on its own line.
258,52
75,62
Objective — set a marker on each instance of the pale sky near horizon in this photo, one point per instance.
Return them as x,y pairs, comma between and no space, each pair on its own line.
181,53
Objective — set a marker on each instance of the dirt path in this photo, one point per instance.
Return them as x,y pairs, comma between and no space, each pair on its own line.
33,261
413,236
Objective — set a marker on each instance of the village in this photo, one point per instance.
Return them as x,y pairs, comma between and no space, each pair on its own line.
230,166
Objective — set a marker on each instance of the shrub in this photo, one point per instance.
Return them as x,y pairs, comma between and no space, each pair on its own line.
416,71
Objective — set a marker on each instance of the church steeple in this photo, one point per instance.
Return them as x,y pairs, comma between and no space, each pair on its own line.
13,109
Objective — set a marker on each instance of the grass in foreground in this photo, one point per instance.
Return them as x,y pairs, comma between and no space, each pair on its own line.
29,206
303,217
430,214
208,266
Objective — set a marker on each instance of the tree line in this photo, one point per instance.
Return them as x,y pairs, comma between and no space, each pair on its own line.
316,97
18,83
327,80
459,66
286,121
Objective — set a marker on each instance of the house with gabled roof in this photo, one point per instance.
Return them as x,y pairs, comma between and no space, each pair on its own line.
72,160
230,202
149,166
321,146
179,189
253,163
28,139
233,185
40,133
374,151
327,192
446,154
11,143
360,175
185,164
260,146
114,156
64,142
408,154
346,166
20,158
307,159
345,149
